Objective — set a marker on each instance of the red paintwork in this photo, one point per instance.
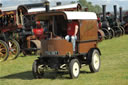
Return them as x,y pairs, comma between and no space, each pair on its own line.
99,22
38,32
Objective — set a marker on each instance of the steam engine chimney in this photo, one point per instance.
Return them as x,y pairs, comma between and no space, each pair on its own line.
46,4
121,17
0,5
115,12
0,8
104,12
58,3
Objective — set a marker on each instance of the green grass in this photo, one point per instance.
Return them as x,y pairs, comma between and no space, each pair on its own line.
114,69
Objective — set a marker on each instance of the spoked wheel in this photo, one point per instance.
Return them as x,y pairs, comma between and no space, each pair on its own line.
123,31
117,31
37,69
74,68
14,49
94,56
107,33
112,33
4,51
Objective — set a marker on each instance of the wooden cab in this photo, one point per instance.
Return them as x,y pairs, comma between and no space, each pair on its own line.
55,44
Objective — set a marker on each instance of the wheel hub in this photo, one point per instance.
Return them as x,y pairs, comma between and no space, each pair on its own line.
75,69
96,61
40,69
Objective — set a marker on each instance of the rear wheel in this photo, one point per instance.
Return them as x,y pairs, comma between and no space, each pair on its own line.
4,51
74,68
107,33
117,30
95,62
112,33
14,49
37,69
123,30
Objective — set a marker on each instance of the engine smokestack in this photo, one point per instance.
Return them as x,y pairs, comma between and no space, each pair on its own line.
121,17
115,12
47,7
0,8
0,5
58,3
104,12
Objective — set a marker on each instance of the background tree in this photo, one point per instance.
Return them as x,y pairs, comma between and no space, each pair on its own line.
90,6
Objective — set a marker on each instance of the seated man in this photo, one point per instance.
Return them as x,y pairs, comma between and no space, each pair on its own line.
72,31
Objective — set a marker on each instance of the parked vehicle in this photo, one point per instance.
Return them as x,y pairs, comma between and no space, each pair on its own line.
125,25
7,30
105,25
116,26
57,53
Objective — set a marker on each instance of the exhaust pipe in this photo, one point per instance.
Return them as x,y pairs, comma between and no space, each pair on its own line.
115,12
121,17
0,5
46,4
0,8
104,12
58,3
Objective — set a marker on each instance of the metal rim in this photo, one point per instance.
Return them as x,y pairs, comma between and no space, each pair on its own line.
75,69
96,61
40,69
14,49
3,52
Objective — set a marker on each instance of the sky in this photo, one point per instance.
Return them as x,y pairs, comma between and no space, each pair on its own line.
109,3
19,2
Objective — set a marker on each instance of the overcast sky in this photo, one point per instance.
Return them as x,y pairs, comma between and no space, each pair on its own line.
109,3
18,2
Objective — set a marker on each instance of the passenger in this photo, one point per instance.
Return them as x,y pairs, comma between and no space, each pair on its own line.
72,31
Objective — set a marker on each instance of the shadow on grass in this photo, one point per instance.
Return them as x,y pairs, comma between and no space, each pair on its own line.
23,75
48,75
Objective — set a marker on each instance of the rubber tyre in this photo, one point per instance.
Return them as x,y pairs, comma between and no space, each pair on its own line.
74,68
117,31
6,52
95,62
112,33
123,30
37,70
14,49
107,33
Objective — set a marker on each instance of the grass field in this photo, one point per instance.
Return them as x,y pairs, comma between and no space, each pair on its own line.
114,69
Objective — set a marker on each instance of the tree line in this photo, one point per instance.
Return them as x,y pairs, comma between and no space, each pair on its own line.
90,6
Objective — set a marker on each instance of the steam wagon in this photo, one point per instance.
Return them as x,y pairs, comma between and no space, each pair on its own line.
57,53
7,30
3,46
